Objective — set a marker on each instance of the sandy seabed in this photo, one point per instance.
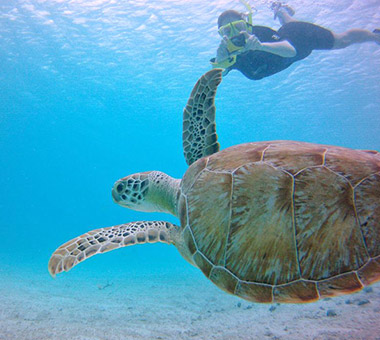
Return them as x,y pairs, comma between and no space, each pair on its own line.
34,307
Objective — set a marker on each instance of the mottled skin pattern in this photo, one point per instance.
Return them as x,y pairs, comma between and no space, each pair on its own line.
105,239
199,136
276,221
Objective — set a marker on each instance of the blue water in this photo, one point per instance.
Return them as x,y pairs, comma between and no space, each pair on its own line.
91,91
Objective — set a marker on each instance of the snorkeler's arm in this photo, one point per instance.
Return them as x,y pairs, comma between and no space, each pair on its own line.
222,51
280,48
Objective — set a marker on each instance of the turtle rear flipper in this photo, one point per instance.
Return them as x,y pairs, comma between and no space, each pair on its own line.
102,240
199,131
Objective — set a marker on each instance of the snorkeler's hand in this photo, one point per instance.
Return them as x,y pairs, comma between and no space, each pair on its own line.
222,51
251,42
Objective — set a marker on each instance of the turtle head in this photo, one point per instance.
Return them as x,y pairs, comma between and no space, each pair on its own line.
151,191
133,191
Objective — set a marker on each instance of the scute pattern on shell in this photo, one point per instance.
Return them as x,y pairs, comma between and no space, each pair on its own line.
285,221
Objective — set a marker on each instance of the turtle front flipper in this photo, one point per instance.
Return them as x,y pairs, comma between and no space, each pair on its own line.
199,131
102,240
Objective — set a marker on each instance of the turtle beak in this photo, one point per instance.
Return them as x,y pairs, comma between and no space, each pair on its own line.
116,191
115,196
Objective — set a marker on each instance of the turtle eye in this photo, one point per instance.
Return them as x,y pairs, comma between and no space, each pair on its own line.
120,188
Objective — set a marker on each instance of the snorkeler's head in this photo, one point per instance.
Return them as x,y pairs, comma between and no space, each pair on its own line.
229,16
232,24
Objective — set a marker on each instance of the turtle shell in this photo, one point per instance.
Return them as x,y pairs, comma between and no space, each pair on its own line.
284,221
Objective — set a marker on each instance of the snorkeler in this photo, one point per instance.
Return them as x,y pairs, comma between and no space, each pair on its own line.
259,51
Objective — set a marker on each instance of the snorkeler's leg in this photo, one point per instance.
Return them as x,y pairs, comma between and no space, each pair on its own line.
284,13
284,17
355,36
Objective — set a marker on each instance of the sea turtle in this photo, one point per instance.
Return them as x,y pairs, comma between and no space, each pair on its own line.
277,221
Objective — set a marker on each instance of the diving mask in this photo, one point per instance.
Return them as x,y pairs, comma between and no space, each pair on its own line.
236,40
233,28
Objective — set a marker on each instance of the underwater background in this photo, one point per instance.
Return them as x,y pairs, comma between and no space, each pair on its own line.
91,91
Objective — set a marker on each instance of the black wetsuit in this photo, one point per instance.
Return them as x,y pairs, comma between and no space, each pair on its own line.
304,37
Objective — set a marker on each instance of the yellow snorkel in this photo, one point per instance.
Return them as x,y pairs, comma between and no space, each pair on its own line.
236,41
249,9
